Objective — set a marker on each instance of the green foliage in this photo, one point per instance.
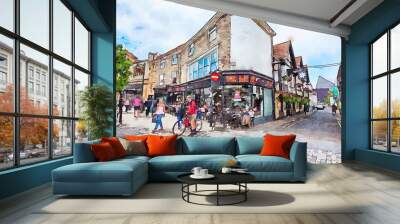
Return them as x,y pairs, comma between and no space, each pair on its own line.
97,104
123,64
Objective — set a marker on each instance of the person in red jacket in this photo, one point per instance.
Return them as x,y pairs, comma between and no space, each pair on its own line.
192,113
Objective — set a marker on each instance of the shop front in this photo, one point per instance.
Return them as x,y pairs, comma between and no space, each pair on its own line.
239,90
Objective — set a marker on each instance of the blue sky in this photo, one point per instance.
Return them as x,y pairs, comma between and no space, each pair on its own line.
156,26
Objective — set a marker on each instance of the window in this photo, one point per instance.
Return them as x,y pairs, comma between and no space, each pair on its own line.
385,96
173,76
46,120
191,49
34,21
174,59
62,29
212,33
162,76
81,45
203,66
7,14
162,63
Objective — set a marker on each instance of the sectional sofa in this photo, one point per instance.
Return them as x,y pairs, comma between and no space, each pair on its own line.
125,176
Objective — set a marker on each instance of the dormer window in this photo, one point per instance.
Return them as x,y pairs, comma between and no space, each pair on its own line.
191,49
212,33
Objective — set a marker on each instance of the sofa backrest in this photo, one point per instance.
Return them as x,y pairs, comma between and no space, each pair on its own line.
206,145
249,144
83,152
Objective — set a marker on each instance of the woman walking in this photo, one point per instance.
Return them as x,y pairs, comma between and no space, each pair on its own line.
137,104
160,112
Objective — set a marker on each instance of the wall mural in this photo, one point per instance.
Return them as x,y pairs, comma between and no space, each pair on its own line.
202,73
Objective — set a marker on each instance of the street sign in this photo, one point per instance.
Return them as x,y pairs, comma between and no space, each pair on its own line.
215,80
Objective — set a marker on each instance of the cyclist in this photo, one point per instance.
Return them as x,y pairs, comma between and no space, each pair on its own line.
180,113
192,112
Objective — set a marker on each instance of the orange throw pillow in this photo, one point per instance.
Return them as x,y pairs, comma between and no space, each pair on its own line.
136,137
277,145
159,145
103,152
116,145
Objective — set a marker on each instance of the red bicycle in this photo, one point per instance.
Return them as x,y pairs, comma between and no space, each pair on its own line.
180,126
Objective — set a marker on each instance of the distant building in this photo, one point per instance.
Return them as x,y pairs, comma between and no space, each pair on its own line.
291,79
322,88
240,49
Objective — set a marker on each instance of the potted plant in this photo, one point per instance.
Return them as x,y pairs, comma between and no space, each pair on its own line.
96,102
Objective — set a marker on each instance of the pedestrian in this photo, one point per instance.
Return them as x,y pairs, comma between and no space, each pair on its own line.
159,113
251,113
147,104
137,103
127,103
180,113
192,112
334,108
120,105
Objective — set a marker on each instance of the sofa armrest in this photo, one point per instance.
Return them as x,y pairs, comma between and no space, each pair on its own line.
298,155
83,152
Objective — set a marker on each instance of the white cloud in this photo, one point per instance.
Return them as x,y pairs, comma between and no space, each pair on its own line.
157,25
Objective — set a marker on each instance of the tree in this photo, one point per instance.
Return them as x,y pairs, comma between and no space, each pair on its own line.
33,131
123,65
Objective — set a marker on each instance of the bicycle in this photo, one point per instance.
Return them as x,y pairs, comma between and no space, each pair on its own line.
185,124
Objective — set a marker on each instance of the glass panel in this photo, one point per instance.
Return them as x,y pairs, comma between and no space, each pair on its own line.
379,135
6,142
62,29
395,47
81,131
395,135
35,21
395,94
7,14
6,74
267,102
81,82
34,72
379,98
81,45
379,55
62,138
33,139
62,89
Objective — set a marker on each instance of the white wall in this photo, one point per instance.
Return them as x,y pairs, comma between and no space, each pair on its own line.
250,46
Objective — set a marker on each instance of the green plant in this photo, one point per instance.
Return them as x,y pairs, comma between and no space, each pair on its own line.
122,65
97,104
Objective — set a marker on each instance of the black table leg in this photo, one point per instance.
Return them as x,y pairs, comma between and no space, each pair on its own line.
217,194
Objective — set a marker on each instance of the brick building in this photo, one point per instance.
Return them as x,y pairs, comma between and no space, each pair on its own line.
240,49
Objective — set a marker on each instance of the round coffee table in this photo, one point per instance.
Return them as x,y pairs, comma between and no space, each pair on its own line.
238,179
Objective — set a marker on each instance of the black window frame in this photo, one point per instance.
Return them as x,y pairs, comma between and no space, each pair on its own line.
388,74
16,115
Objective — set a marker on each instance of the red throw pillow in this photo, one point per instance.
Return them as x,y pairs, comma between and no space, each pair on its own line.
277,145
116,145
103,152
159,145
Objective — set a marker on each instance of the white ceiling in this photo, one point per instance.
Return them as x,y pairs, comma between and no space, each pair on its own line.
316,15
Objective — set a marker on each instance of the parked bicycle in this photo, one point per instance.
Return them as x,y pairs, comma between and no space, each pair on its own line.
179,129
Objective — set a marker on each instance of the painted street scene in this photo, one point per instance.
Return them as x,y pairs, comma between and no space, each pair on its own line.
217,74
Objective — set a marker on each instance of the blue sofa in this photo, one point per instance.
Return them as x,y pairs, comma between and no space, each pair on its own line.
125,176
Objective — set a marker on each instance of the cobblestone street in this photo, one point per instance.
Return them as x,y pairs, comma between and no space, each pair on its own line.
319,129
